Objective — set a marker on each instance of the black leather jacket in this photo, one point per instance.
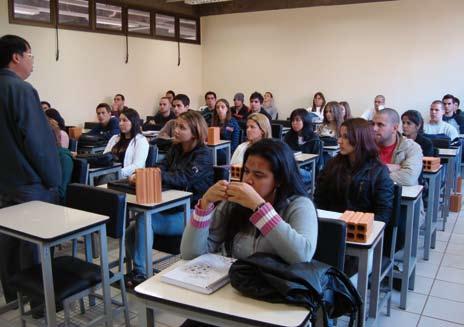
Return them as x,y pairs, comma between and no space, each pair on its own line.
191,172
370,190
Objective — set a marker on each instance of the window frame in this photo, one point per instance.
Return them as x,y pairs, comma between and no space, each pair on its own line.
54,21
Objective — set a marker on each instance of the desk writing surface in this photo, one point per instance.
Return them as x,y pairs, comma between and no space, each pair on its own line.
221,142
226,301
331,147
447,152
115,165
305,156
167,196
46,221
411,192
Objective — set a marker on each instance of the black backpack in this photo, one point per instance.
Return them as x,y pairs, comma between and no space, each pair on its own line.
314,285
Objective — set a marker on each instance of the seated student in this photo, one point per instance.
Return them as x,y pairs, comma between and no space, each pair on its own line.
180,104
451,115
356,179
107,126
301,136
130,147
118,105
55,115
222,117
268,211
170,95
413,128
379,104
66,161
45,105
257,128
346,110
333,118
256,102
208,109
269,106
437,125
318,105
403,157
164,113
188,166
240,111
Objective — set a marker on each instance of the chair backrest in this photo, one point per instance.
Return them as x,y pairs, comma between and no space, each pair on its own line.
72,145
284,123
439,140
101,201
80,173
90,124
221,173
152,156
150,127
331,242
277,131
389,243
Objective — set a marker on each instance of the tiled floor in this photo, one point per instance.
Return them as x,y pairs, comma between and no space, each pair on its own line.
437,300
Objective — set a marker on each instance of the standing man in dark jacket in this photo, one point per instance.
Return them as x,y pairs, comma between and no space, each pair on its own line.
32,169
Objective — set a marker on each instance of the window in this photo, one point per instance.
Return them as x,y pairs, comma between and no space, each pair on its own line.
165,25
138,21
108,17
188,29
35,10
73,12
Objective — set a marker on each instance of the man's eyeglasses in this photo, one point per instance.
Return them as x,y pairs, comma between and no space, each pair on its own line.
30,55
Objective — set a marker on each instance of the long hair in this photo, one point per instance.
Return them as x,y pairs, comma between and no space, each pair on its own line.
361,136
215,121
337,114
416,117
307,132
55,115
347,107
314,100
287,180
197,125
263,124
133,116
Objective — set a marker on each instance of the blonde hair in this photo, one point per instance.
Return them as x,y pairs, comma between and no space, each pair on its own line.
263,124
197,125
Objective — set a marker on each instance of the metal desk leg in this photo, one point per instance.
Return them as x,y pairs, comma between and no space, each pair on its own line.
88,257
363,259
407,251
215,157
375,279
148,244
429,217
228,154
313,173
49,292
436,205
105,276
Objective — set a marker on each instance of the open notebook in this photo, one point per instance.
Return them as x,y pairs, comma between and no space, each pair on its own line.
204,274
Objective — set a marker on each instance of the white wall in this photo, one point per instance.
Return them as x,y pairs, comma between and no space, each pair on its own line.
91,69
409,50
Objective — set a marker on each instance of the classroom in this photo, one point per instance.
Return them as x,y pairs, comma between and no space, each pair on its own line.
315,132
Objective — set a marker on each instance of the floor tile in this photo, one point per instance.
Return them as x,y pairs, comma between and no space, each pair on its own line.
435,257
431,322
439,246
444,309
456,249
423,285
443,236
426,269
449,274
457,239
455,261
415,303
397,318
447,290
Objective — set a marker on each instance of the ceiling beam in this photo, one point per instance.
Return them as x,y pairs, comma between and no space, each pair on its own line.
241,6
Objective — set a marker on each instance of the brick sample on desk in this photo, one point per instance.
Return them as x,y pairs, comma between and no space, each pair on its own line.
235,171
75,132
148,185
431,164
214,135
358,225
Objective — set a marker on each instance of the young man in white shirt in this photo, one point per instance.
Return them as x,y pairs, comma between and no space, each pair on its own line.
379,104
436,124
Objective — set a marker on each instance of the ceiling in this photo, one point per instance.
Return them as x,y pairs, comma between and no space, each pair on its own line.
237,6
